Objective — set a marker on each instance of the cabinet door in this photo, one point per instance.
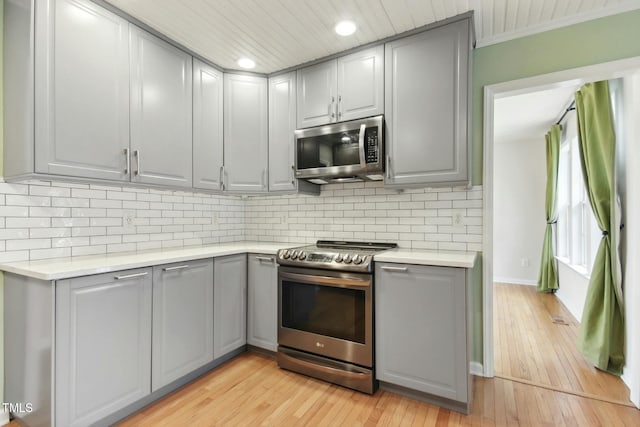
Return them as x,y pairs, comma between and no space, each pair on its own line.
103,345
317,102
161,124
282,125
246,133
182,320
230,304
262,330
207,127
361,84
426,97
82,91
421,328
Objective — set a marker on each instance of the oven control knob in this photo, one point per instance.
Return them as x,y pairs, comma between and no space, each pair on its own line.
302,256
285,254
357,259
294,254
339,257
347,259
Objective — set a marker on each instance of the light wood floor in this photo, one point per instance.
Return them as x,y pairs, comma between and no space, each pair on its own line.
529,346
251,390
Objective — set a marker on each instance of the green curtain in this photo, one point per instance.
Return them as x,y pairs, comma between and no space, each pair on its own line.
601,336
548,281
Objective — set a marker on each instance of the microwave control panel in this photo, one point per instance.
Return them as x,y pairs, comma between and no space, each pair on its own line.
371,145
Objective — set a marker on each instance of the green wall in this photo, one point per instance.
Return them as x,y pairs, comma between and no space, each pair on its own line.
593,42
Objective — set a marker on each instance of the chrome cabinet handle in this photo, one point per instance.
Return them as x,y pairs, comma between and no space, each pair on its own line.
177,267
293,175
338,107
127,168
136,153
131,276
333,114
388,166
222,178
395,269
264,178
264,258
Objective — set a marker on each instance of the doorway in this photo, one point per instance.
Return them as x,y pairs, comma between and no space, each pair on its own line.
548,363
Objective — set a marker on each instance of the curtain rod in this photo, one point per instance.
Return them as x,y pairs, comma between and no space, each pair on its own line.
571,107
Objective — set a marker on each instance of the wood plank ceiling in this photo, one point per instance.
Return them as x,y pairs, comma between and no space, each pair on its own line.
279,34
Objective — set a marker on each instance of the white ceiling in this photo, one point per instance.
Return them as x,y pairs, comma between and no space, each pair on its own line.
279,34
529,116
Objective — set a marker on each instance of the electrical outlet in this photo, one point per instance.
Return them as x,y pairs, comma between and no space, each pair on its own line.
128,219
458,219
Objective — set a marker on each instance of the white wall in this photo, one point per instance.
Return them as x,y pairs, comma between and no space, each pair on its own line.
573,289
631,235
519,215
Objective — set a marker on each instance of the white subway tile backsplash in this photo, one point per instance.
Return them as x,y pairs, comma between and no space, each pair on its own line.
14,233
43,220
18,245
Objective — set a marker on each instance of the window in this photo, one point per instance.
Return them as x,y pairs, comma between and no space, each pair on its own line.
578,234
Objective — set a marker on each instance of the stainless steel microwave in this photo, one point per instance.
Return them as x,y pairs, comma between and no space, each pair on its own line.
339,152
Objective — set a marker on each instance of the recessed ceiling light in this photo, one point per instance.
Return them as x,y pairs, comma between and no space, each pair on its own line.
246,63
345,28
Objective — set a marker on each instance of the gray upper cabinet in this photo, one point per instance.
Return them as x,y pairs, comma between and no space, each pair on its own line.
317,94
66,90
262,312
246,134
346,88
102,345
208,141
282,124
361,84
230,304
161,107
427,106
182,319
421,329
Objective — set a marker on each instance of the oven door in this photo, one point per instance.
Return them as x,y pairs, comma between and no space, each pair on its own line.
327,313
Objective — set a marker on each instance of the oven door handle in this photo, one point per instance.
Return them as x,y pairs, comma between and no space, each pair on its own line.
352,282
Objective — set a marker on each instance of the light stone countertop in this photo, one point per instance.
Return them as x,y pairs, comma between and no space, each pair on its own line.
426,257
65,268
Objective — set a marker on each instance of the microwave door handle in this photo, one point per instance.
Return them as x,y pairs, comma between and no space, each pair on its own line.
363,160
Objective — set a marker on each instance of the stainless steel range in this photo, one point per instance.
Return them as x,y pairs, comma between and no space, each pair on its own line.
325,311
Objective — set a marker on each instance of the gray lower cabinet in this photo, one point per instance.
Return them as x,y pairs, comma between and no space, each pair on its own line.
182,320
262,312
421,329
102,345
427,106
208,137
230,304
161,111
246,133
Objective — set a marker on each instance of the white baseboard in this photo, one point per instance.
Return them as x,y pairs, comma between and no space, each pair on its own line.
476,369
4,417
513,281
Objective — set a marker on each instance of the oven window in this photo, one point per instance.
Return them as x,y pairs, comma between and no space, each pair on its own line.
324,310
